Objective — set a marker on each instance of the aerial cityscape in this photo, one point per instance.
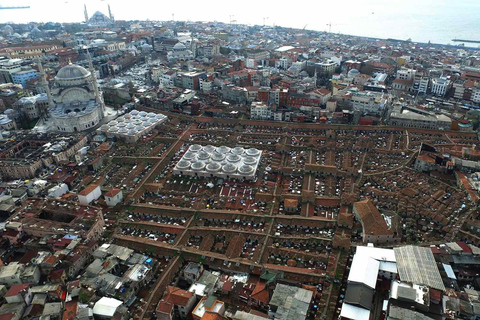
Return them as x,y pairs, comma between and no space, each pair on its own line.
213,170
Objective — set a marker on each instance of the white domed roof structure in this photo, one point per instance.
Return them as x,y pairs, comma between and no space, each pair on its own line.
213,167
229,168
197,166
245,169
221,162
253,152
72,72
238,150
209,149
223,149
202,155
184,164
233,158
189,155
179,46
250,160
195,147
218,156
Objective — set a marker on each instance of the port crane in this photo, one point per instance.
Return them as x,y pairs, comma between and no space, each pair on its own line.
15,7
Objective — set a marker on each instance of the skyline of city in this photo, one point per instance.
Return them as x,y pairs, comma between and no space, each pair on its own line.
421,21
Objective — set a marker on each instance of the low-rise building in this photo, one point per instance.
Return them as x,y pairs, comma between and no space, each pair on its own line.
175,304
416,118
374,226
90,193
113,197
289,302
440,86
208,305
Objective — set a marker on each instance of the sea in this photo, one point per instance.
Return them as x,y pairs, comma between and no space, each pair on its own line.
437,21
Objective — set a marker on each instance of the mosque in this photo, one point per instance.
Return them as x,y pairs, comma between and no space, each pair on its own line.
75,103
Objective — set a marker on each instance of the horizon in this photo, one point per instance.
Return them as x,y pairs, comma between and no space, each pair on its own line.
438,23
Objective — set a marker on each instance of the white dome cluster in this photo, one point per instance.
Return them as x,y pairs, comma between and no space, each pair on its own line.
221,162
133,125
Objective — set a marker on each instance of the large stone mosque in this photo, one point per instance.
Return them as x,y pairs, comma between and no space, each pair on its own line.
74,100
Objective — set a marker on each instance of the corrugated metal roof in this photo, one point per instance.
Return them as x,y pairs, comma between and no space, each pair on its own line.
417,265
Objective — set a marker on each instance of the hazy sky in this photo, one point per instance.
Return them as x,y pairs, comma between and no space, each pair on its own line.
421,20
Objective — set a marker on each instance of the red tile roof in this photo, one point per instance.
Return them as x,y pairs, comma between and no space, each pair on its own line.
174,296
16,289
112,193
372,221
260,293
88,189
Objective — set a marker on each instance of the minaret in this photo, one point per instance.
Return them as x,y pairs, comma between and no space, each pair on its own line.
110,13
44,83
85,12
98,98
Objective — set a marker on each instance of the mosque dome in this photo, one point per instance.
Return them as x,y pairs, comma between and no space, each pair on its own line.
353,72
72,72
179,46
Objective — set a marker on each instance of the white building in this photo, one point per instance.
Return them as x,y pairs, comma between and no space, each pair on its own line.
113,197
406,74
157,73
105,308
250,63
205,85
90,193
167,78
369,102
283,63
440,86
368,264
327,67
58,190
476,95
421,84
260,111
220,162
32,107
6,124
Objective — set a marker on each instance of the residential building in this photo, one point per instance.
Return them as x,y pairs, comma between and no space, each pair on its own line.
23,76
260,111
113,197
406,74
90,193
440,86
208,305
19,293
175,304
326,68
